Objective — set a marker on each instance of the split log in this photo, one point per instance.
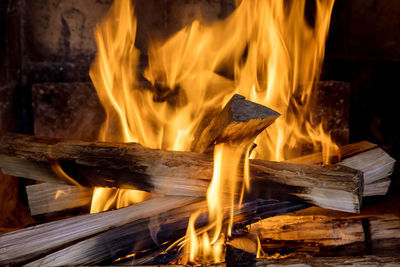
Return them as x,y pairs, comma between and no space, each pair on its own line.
319,235
377,188
172,172
311,235
131,238
375,164
240,121
127,237
43,202
385,234
23,245
47,197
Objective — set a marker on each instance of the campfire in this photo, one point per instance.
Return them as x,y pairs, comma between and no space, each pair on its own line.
224,148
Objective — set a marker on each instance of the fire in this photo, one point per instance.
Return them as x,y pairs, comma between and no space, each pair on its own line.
269,51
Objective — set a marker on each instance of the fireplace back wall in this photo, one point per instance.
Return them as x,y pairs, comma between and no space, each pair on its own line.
52,41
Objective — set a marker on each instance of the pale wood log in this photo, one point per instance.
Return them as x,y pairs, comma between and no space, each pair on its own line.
23,245
172,172
377,188
320,235
48,197
240,121
128,239
311,235
375,164
42,200
151,232
385,234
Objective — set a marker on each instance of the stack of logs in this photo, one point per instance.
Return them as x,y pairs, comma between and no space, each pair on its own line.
178,182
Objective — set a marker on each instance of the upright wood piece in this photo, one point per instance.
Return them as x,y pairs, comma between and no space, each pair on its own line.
240,121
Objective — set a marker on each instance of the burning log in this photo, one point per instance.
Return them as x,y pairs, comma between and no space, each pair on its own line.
42,196
240,121
375,164
171,172
47,197
95,238
23,245
320,235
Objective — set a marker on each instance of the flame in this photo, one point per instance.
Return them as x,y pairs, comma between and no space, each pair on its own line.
62,192
108,198
221,195
270,51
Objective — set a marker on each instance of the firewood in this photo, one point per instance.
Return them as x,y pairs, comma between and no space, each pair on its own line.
172,172
241,120
47,197
79,199
377,188
320,235
139,235
22,245
375,164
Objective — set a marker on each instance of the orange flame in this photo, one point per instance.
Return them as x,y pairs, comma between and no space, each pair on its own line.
270,51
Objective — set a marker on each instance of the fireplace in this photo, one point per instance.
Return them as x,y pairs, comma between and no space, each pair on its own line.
48,48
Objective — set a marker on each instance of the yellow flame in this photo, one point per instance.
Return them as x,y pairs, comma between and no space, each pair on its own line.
62,192
108,198
270,51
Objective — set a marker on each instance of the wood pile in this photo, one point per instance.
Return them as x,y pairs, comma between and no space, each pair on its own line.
178,182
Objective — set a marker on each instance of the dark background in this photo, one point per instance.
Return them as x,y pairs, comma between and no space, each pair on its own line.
52,41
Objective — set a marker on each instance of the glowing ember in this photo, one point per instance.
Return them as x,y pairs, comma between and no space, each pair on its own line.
268,51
